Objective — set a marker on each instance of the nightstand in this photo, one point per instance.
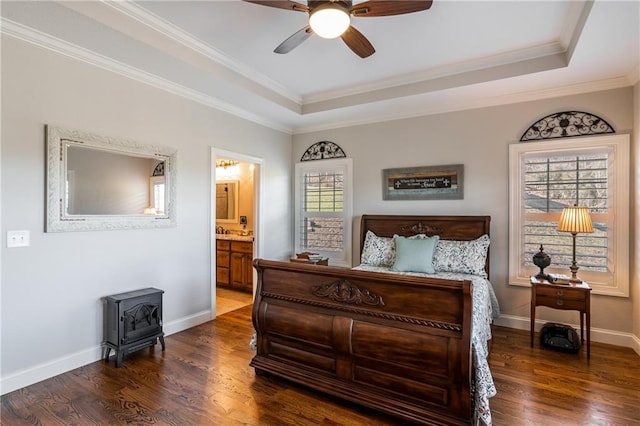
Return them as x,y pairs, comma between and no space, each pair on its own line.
568,297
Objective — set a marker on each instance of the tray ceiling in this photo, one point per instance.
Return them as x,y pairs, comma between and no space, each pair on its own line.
456,55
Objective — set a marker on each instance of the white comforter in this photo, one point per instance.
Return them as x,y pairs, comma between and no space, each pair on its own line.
485,308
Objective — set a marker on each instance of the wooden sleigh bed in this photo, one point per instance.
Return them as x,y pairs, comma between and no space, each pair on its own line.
401,344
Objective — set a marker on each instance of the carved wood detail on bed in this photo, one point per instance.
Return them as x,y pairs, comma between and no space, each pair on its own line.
396,343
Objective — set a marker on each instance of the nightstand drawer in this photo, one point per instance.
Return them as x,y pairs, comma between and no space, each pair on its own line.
560,302
565,293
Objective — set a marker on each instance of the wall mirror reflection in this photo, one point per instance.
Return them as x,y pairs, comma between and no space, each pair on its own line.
100,183
227,201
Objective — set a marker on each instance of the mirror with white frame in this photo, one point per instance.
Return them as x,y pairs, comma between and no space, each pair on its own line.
102,183
227,201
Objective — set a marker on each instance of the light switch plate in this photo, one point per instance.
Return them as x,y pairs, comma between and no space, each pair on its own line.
17,239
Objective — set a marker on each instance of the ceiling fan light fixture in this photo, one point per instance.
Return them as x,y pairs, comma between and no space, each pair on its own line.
329,21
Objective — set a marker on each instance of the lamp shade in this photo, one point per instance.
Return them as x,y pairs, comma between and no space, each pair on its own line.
330,20
576,220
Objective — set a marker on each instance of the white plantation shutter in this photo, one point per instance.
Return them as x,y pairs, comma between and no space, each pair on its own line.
323,209
545,177
552,183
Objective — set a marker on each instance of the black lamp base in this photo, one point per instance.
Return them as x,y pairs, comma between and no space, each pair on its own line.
542,276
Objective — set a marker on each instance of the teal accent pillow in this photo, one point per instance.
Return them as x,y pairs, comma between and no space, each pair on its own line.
414,255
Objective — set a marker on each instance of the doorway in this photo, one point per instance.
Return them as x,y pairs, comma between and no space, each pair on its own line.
235,228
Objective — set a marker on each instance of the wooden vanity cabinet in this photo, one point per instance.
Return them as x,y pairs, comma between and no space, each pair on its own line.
241,265
223,256
234,265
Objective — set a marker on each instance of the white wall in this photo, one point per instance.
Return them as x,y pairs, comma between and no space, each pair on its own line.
51,318
478,139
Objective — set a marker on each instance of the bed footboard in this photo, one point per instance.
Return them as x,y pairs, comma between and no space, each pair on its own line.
397,344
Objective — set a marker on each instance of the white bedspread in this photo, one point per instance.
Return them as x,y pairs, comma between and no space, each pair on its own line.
485,308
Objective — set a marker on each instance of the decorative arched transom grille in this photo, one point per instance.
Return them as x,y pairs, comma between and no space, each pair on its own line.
565,125
323,150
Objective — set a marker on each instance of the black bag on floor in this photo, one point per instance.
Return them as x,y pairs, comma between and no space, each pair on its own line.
559,336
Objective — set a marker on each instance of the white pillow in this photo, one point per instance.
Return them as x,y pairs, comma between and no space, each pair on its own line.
467,257
377,251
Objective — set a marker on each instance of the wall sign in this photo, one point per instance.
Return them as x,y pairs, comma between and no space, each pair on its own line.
423,183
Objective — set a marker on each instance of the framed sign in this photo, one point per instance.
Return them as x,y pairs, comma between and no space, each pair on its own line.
423,183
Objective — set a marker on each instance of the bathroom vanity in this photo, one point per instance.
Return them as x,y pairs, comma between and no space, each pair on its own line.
234,257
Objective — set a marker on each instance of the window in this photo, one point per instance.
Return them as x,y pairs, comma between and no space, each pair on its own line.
547,176
323,209
157,194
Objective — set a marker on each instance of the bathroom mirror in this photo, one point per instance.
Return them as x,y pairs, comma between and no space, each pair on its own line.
227,201
103,183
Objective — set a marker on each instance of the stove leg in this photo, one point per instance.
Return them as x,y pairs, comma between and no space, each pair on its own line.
119,355
106,351
162,342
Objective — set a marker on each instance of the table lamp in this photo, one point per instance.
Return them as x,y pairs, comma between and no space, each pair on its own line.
575,220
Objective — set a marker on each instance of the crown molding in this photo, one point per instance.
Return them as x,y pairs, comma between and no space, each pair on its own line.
175,33
62,47
548,53
43,40
574,24
469,104
410,79
575,21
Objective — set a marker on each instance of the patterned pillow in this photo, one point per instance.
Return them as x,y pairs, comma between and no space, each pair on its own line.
467,257
377,251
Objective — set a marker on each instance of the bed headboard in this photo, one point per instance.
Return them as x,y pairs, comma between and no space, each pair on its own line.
462,228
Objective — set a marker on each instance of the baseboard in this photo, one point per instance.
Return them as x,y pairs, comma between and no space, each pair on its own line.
61,365
599,335
186,322
49,369
636,344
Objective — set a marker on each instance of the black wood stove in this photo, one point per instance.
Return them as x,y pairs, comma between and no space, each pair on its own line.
133,321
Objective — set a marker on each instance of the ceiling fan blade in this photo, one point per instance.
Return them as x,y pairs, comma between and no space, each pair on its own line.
282,4
386,8
294,41
357,42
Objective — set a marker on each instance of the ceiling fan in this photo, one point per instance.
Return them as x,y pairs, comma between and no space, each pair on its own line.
332,18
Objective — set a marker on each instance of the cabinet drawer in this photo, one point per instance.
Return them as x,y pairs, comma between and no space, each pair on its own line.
242,247
561,303
222,259
223,244
563,293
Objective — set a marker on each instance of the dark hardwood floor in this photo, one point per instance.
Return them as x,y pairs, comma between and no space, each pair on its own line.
203,378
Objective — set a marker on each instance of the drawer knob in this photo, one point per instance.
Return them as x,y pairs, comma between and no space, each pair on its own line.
559,302
559,293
